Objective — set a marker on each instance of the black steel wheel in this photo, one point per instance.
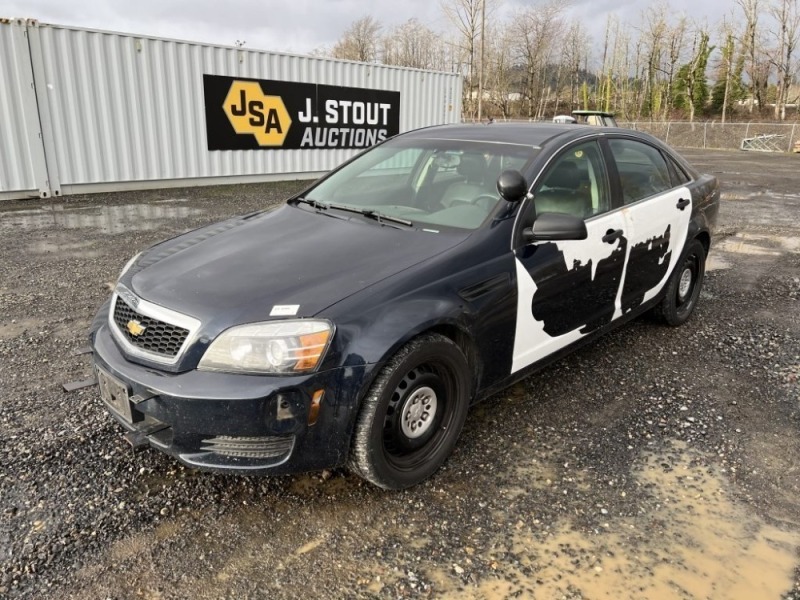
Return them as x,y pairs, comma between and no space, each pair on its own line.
413,414
683,287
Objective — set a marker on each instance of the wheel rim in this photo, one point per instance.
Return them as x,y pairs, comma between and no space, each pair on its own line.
685,284
414,431
418,412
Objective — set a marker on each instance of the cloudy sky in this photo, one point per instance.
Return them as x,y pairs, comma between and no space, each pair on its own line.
300,25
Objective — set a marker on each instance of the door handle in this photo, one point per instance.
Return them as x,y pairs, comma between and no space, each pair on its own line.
683,203
612,235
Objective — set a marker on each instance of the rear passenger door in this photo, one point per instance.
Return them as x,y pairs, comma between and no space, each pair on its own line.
657,210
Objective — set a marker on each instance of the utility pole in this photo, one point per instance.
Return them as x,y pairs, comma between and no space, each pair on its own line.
480,66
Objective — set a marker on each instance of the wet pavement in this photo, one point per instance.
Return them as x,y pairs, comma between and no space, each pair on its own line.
655,463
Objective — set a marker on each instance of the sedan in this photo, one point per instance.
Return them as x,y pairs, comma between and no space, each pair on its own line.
357,323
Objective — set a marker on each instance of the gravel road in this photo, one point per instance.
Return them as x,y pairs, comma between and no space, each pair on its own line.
655,463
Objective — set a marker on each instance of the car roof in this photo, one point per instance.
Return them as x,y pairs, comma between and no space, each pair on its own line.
535,135
526,134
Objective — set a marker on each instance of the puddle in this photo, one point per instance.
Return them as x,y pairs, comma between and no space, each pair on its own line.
774,194
715,262
692,541
64,249
750,244
759,244
108,219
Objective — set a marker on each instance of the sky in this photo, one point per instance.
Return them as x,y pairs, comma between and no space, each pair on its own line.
300,26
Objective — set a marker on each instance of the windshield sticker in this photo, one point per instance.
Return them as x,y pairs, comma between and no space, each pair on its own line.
284,310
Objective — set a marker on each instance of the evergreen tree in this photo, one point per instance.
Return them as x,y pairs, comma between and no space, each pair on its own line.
728,88
691,89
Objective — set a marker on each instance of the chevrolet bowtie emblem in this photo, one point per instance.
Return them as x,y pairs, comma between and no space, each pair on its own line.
135,328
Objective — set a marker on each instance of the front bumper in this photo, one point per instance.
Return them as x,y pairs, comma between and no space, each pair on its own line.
235,423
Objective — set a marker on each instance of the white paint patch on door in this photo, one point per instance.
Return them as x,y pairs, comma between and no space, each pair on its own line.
531,342
650,218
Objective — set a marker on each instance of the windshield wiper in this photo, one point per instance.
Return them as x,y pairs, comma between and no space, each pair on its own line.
310,202
371,214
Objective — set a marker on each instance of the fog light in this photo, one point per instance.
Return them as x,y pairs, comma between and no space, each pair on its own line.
313,410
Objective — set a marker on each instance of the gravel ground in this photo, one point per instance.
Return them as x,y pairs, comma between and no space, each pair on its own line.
655,463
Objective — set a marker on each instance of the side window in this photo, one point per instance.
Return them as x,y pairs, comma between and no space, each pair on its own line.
679,176
574,184
643,171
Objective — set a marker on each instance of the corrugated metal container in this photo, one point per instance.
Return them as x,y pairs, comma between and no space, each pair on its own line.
123,111
22,165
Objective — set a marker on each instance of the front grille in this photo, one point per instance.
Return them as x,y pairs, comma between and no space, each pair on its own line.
158,337
249,447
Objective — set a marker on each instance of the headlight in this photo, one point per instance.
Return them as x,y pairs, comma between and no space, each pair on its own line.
128,265
273,347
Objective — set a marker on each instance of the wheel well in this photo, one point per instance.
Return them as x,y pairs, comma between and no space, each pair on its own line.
704,238
467,346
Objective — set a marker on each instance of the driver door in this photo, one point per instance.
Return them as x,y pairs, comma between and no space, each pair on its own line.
568,289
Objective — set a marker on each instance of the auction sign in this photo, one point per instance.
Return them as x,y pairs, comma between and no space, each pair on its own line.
252,114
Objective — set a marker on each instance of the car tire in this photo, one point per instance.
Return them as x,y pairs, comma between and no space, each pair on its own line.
412,414
683,287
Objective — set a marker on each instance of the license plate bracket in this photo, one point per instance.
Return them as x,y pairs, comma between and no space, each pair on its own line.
115,395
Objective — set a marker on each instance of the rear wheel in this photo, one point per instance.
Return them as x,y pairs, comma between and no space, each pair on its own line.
683,287
413,414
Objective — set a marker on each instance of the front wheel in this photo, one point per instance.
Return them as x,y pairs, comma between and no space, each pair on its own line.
683,287
413,414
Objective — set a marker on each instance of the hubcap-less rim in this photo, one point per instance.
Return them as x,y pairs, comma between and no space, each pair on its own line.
407,447
418,413
685,283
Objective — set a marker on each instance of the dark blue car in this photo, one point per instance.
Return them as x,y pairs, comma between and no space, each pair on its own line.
357,323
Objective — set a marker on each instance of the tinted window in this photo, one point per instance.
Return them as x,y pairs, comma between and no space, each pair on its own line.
575,184
679,176
643,171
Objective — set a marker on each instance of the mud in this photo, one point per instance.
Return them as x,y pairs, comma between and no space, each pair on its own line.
690,539
655,463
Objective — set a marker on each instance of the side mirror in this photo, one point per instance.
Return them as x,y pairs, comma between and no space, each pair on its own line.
555,226
512,185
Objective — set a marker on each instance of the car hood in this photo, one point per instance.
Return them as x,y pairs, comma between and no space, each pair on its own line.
237,271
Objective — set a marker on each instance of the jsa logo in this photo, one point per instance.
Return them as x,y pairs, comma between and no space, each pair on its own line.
250,111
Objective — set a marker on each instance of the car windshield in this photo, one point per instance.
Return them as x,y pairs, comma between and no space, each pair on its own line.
431,184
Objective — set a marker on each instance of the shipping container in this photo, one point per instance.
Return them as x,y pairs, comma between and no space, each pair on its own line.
23,171
98,111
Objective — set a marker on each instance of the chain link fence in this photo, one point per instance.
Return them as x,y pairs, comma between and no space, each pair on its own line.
765,137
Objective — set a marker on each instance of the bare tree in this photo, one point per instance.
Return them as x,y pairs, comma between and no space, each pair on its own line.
674,42
413,44
787,19
574,50
359,42
752,47
537,31
621,76
653,44
465,15
728,78
500,71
